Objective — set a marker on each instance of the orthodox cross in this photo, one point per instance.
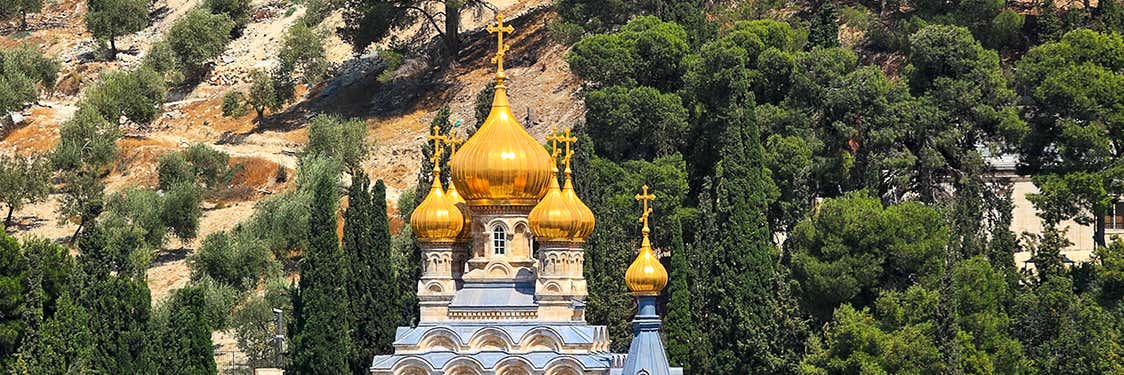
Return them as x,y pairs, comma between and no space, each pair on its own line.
645,197
554,138
437,139
568,140
499,29
452,141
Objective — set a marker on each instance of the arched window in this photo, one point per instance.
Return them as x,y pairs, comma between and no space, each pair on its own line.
499,240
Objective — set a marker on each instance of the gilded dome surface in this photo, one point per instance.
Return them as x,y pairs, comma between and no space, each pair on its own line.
553,219
501,165
437,218
583,218
455,197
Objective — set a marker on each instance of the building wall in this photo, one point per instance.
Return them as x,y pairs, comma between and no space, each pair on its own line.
1025,220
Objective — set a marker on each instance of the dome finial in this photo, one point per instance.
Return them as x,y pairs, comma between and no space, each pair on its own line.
646,276
438,140
568,140
452,141
554,138
499,29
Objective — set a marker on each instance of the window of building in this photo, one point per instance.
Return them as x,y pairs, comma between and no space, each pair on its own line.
1114,218
499,240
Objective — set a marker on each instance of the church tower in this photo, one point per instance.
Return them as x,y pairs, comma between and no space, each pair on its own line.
502,289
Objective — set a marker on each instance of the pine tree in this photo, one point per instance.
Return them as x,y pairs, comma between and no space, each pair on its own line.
187,342
746,306
824,31
371,289
320,343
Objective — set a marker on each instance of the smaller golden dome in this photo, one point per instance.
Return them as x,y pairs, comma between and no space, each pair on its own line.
646,276
553,218
583,217
437,218
455,197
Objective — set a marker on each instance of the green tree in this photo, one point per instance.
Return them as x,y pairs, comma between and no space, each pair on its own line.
303,50
181,211
24,72
747,298
65,340
198,37
1074,91
136,94
20,8
262,94
645,52
637,123
824,31
369,21
852,247
320,343
109,19
13,271
23,180
1066,333
119,310
371,288
344,140
237,260
186,340
234,104
237,10
86,146
685,337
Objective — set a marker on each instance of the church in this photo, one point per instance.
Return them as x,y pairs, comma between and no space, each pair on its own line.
502,289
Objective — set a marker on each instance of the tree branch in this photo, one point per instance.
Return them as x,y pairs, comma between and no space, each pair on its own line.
432,21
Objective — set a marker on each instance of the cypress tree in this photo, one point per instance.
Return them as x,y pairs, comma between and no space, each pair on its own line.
682,332
119,322
13,270
65,340
371,288
187,343
747,308
320,343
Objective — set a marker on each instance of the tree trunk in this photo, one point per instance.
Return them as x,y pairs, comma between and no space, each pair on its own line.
112,47
74,237
452,27
23,20
8,221
261,112
1098,230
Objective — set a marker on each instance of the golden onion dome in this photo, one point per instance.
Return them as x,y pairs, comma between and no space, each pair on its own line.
437,218
553,218
583,217
501,164
455,197
646,276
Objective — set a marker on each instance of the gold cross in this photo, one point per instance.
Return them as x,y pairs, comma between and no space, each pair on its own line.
437,139
568,140
452,141
499,29
554,138
645,197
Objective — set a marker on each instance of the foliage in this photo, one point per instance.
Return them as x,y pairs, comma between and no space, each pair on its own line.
181,211
332,137
186,340
1066,333
109,19
320,305
636,123
646,52
173,169
197,37
119,309
162,59
23,180
136,94
262,93
852,247
139,210
21,8
372,290
254,325
235,259
824,32
303,50
369,21
23,72
13,270
233,104
65,340
237,10
1074,114
86,146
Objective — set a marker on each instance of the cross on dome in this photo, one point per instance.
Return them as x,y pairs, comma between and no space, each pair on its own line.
645,197
499,29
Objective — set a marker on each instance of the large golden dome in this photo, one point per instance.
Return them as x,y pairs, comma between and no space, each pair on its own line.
501,165
437,218
553,218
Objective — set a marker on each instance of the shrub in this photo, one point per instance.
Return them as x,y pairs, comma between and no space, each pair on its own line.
565,33
237,10
198,37
392,60
181,210
174,169
233,104
211,165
